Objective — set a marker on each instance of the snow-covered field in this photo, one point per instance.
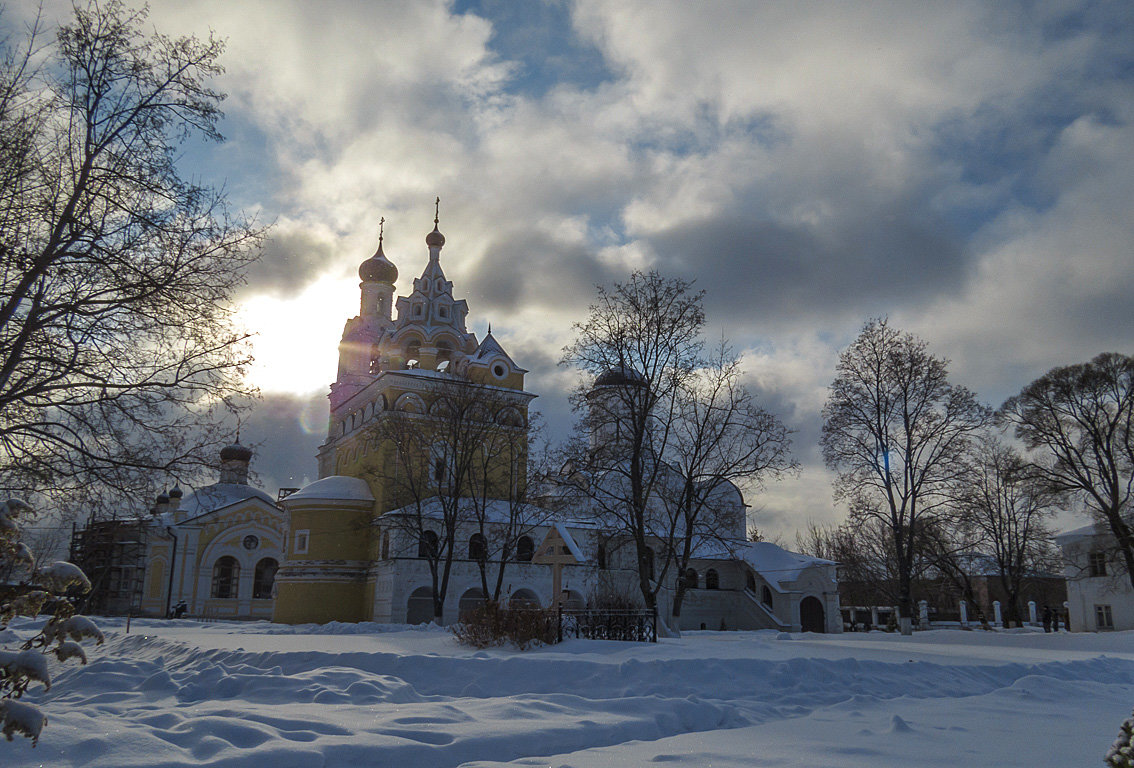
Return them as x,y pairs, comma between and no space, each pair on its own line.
226,694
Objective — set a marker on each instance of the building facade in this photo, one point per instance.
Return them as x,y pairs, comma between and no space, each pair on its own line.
1099,594
421,406
216,550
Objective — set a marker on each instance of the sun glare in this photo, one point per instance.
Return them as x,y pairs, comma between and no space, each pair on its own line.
296,342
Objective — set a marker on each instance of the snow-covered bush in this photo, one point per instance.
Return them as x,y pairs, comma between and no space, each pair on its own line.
1121,754
27,596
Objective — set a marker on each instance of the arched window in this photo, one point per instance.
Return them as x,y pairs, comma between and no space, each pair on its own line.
600,556
386,545
478,548
766,597
712,580
750,581
524,549
263,578
226,578
413,349
427,545
649,555
444,350
523,598
691,579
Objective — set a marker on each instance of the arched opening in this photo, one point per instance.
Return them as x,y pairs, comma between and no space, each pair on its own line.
691,580
573,601
478,548
649,557
600,556
766,596
470,601
523,598
811,617
524,549
427,545
226,578
386,545
750,582
712,579
263,578
419,607
444,351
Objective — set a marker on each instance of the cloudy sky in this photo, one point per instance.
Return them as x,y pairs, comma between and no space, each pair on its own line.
965,168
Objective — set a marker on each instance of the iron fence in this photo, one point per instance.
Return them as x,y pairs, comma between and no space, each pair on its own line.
626,624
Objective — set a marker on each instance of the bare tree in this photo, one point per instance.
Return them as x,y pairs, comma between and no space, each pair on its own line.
666,431
118,354
896,431
721,438
1008,505
1079,419
502,508
458,465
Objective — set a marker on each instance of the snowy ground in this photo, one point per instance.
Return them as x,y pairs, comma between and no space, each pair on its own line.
267,696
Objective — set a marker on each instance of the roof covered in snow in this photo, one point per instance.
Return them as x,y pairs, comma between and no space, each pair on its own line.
495,511
336,487
214,497
777,565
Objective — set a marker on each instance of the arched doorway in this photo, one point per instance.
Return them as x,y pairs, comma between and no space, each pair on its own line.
470,601
419,607
811,617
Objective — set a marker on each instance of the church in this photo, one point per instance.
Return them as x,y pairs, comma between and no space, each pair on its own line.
420,512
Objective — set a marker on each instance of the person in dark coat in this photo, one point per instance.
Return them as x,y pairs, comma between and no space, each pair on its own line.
1046,619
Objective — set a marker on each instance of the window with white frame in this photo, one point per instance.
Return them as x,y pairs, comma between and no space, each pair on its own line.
302,538
1096,564
1104,619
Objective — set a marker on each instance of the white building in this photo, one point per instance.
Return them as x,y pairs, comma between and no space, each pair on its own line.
1099,594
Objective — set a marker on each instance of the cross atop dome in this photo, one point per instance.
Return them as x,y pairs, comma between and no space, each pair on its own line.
435,240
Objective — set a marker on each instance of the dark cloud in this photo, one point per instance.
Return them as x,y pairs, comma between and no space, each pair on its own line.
289,260
754,267
528,268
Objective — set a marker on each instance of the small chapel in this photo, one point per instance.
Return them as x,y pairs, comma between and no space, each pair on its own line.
361,542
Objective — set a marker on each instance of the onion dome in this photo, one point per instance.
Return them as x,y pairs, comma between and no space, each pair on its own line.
162,499
378,269
175,493
620,376
236,452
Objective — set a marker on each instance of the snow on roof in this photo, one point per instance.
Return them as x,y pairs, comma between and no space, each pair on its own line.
495,511
337,487
561,529
1085,532
214,497
776,564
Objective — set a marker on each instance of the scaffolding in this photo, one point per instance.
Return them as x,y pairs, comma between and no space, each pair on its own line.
112,553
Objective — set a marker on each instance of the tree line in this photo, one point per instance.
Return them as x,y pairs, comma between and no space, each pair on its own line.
935,480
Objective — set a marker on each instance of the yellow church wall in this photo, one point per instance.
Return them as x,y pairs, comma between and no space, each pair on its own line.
319,601
333,534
